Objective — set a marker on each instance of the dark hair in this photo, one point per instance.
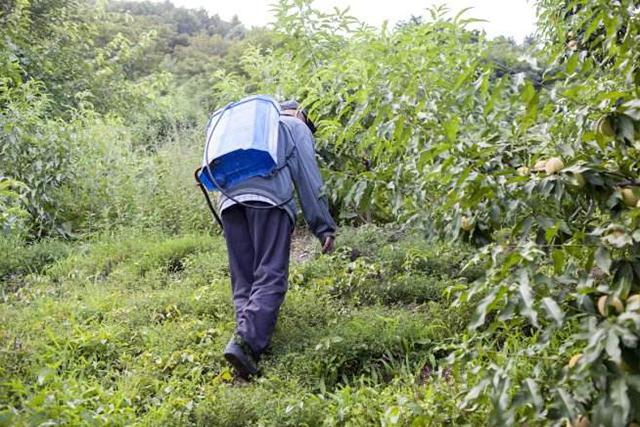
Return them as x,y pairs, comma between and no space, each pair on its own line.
295,105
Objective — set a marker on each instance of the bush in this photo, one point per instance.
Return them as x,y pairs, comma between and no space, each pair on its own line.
136,252
20,258
372,345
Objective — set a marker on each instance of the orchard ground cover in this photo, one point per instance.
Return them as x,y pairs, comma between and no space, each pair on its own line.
129,329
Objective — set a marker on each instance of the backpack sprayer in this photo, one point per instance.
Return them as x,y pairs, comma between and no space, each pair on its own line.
241,143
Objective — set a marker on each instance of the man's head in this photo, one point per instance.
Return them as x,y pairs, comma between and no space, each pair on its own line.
293,108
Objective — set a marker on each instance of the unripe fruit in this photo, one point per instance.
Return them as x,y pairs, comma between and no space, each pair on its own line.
617,304
629,197
581,421
603,304
466,223
553,165
617,233
605,126
539,166
633,303
572,45
574,360
523,171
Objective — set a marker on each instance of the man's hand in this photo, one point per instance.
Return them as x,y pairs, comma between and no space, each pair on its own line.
328,245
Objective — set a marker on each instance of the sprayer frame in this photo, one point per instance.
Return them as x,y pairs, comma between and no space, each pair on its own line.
208,168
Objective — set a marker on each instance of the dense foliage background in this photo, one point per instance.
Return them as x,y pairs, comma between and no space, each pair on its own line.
524,156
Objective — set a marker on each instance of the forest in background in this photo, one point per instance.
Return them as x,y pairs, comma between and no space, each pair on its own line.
523,158
94,94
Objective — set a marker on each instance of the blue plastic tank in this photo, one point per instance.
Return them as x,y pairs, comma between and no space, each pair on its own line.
241,142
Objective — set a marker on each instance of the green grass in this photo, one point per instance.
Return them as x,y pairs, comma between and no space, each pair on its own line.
129,329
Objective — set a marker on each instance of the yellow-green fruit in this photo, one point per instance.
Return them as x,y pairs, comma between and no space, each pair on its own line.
466,223
633,303
614,302
605,126
616,235
628,197
539,166
602,305
553,165
523,171
574,360
617,304
581,421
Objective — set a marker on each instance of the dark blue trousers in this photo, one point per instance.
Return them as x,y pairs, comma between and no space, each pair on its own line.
258,243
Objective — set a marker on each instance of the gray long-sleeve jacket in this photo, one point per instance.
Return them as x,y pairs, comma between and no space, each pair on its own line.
296,165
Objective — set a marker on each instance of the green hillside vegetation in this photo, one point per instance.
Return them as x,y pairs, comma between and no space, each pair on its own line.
488,261
131,329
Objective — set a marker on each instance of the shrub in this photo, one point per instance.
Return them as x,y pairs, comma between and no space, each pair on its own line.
20,258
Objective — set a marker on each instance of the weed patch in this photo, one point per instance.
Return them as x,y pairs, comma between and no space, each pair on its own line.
129,329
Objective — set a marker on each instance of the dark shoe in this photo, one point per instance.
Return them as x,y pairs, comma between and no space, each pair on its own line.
240,356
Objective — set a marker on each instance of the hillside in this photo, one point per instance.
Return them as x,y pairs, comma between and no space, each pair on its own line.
130,329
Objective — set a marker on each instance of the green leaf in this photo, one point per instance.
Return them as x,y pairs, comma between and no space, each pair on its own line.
603,259
551,232
532,388
476,391
567,404
634,382
620,398
553,310
393,415
559,258
526,297
481,311
612,346
451,128
625,128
